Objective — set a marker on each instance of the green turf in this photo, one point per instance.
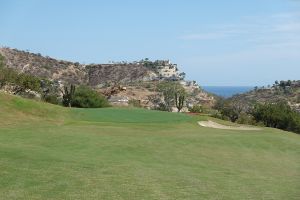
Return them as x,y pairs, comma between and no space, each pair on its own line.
49,152
127,115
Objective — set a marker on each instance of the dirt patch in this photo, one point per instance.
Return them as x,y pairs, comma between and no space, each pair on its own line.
211,124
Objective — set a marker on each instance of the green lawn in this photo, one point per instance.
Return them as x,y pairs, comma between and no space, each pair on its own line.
50,152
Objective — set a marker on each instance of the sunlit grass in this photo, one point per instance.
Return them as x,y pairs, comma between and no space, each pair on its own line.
50,152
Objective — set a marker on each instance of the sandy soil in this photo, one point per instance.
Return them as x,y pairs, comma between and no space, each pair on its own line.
211,124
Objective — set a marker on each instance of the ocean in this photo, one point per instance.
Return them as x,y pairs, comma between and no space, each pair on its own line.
227,91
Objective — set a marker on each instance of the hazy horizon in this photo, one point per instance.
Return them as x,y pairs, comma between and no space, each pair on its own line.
232,43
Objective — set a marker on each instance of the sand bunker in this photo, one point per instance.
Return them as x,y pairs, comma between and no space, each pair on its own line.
211,124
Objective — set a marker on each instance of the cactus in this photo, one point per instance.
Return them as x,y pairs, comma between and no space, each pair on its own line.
179,100
68,95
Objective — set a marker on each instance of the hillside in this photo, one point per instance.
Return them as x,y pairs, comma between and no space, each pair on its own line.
288,91
140,77
51,152
45,67
69,72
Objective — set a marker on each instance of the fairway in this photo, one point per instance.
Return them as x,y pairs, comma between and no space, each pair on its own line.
51,152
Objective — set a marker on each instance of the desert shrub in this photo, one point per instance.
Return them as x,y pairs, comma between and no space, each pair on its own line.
29,82
25,81
7,76
196,109
50,92
230,112
298,98
162,107
85,97
218,115
245,118
230,108
47,66
51,98
148,86
294,124
135,103
1,61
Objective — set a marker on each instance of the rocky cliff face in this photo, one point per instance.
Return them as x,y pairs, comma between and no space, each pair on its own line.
117,73
74,73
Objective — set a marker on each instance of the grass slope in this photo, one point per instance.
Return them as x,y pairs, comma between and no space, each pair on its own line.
49,152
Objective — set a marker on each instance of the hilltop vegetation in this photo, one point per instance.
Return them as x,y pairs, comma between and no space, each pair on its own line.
288,91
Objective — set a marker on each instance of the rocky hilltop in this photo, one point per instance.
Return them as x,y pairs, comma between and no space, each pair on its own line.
120,82
288,91
116,73
70,72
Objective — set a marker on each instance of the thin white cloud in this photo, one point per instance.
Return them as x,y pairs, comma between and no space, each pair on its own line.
204,36
267,48
288,27
274,28
222,33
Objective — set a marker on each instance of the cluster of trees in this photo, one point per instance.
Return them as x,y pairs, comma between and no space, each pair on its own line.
282,84
276,115
283,87
229,109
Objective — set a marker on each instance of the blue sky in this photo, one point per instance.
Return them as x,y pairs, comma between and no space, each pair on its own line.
216,42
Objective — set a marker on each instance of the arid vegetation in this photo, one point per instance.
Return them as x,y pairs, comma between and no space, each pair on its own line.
274,106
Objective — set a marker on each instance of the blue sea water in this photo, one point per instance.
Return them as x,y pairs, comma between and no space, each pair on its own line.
227,91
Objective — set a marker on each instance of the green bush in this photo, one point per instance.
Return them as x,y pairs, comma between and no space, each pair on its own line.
26,81
162,107
196,109
245,119
1,61
85,97
29,82
51,98
277,115
135,103
218,115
